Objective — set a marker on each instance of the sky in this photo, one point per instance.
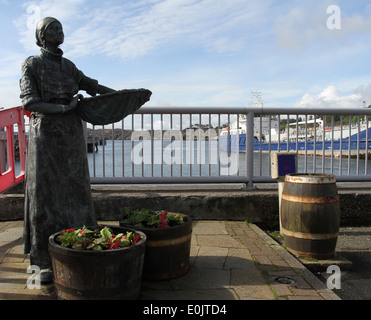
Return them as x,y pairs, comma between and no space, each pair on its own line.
204,53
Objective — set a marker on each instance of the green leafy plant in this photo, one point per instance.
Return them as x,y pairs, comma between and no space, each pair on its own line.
98,239
152,219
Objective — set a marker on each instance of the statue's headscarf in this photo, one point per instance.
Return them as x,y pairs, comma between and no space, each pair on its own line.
41,27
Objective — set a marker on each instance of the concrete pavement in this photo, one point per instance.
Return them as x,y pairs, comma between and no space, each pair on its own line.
354,244
230,261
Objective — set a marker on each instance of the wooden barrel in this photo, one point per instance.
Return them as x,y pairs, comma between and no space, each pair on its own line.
310,215
167,251
98,275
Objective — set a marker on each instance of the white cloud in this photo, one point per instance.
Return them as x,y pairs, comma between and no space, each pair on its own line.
301,25
305,26
365,92
133,29
10,66
9,96
357,23
67,10
198,94
240,31
331,97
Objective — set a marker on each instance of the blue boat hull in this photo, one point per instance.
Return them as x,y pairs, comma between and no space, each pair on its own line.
232,145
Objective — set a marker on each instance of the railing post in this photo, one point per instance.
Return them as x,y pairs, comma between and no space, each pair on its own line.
2,150
9,118
250,150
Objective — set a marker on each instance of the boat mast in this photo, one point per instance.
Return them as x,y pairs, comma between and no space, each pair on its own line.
257,98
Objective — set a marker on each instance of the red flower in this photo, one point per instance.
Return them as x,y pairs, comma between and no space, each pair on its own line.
163,224
67,230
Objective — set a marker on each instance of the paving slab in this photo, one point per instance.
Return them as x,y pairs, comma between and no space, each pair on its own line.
230,260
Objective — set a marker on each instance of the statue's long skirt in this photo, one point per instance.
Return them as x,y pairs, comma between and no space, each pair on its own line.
57,189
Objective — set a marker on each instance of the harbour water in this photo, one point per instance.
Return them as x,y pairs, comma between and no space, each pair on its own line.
114,159
181,158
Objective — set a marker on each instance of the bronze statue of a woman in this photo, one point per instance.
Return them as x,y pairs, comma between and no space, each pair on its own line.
57,191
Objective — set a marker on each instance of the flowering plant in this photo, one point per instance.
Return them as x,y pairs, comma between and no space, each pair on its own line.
98,239
151,219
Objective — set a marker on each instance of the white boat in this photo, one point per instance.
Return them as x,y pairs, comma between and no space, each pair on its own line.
297,136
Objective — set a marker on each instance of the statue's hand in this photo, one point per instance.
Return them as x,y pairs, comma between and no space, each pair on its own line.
73,104
74,101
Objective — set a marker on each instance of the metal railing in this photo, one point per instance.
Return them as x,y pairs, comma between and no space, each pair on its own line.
188,145
185,145
9,134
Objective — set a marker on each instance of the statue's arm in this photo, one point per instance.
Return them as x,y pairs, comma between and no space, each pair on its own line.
104,90
44,107
91,86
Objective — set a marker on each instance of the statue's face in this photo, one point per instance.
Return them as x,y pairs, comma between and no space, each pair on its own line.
54,33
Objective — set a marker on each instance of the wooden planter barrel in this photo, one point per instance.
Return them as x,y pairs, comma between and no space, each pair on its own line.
167,250
98,275
310,215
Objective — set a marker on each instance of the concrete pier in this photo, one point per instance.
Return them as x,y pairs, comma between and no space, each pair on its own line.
204,202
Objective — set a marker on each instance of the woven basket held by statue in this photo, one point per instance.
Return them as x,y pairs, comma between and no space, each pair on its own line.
112,107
